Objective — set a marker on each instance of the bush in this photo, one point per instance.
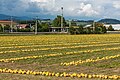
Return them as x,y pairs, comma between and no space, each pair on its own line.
72,30
24,30
110,28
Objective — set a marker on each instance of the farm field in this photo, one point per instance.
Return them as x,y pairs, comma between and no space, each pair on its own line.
60,57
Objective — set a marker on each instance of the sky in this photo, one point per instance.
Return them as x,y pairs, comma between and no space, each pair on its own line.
72,9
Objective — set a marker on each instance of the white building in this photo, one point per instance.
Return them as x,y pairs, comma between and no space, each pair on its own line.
115,26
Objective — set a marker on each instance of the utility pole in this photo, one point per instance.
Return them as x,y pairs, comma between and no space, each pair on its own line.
36,25
3,27
11,28
93,25
69,23
61,19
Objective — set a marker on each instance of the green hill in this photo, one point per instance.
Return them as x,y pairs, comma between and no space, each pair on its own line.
109,21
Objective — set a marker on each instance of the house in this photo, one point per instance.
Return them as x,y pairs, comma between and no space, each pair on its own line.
22,26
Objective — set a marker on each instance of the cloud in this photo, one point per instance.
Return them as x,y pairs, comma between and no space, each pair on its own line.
33,7
77,8
7,4
13,7
40,6
87,10
72,8
116,4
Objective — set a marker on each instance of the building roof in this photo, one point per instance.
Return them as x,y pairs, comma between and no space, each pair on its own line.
6,22
22,26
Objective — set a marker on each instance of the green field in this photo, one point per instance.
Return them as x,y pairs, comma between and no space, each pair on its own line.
97,55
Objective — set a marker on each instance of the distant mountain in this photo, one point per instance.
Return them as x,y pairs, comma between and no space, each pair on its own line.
21,18
109,21
4,17
8,17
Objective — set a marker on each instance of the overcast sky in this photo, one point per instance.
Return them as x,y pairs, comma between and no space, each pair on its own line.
77,9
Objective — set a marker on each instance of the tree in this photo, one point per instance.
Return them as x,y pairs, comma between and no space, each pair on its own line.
104,30
88,30
73,23
57,22
43,27
80,29
110,28
1,28
99,28
39,27
7,28
72,30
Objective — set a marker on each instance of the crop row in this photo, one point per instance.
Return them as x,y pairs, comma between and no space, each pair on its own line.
29,57
90,60
54,44
80,46
57,48
64,74
58,54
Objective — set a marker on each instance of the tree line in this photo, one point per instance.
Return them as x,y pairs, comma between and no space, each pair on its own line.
98,28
